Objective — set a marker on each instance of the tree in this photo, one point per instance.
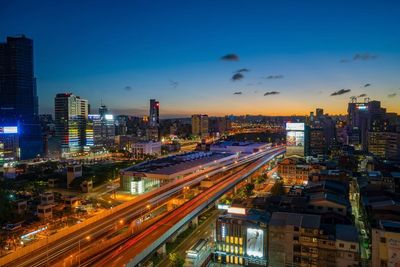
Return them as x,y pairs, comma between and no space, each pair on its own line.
176,259
277,189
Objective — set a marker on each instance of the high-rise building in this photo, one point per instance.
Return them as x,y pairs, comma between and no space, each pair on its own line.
200,125
315,143
100,129
18,97
361,116
71,114
153,131
319,112
385,145
154,113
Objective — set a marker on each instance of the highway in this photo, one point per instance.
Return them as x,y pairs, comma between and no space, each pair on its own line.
140,246
62,248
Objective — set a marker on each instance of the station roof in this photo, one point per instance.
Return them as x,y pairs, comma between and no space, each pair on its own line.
177,163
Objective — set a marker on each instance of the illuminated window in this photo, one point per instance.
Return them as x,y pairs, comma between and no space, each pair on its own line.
236,250
231,239
227,239
232,249
240,241
241,250
236,240
236,260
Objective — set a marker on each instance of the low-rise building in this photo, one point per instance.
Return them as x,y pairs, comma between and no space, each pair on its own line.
142,148
295,171
386,244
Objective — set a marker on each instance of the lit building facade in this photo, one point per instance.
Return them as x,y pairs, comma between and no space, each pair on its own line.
241,239
9,146
295,138
200,125
71,114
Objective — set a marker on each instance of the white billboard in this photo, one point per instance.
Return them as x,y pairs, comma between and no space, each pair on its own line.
295,126
255,242
9,129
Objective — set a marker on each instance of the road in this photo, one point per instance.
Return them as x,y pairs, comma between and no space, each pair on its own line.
140,246
203,231
69,244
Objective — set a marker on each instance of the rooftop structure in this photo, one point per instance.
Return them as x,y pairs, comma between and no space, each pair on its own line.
239,147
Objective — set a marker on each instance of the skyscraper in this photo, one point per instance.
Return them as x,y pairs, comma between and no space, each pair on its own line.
18,97
200,125
71,114
153,132
154,113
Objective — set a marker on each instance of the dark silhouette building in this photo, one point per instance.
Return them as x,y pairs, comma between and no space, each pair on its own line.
18,97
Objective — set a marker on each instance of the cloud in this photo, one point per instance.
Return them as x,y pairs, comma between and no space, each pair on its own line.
259,83
272,93
392,95
237,93
344,61
362,95
341,92
279,76
367,85
364,56
173,84
230,57
128,88
237,77
242,70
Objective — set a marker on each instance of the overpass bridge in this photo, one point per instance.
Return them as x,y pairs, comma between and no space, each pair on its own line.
138,248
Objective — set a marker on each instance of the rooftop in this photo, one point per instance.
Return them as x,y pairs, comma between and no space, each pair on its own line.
295,219
346,233
173,164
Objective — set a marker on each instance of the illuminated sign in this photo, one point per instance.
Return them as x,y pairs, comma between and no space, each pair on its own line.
94,117
295,138
237,210
109,117
9,130
295,126
223,207
255,242
362,107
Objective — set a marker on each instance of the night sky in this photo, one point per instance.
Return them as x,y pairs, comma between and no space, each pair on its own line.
291,56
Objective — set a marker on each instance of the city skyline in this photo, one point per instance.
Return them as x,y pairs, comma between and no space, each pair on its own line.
225,59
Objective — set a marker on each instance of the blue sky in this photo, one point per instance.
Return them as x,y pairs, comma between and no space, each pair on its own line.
125,52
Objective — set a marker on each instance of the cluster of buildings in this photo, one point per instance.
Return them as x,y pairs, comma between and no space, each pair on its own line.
368,128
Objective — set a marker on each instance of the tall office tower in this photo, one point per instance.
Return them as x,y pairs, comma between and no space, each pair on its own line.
154,119
18,97
71,114
200,125
103,110
319,112
153,131
361,116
